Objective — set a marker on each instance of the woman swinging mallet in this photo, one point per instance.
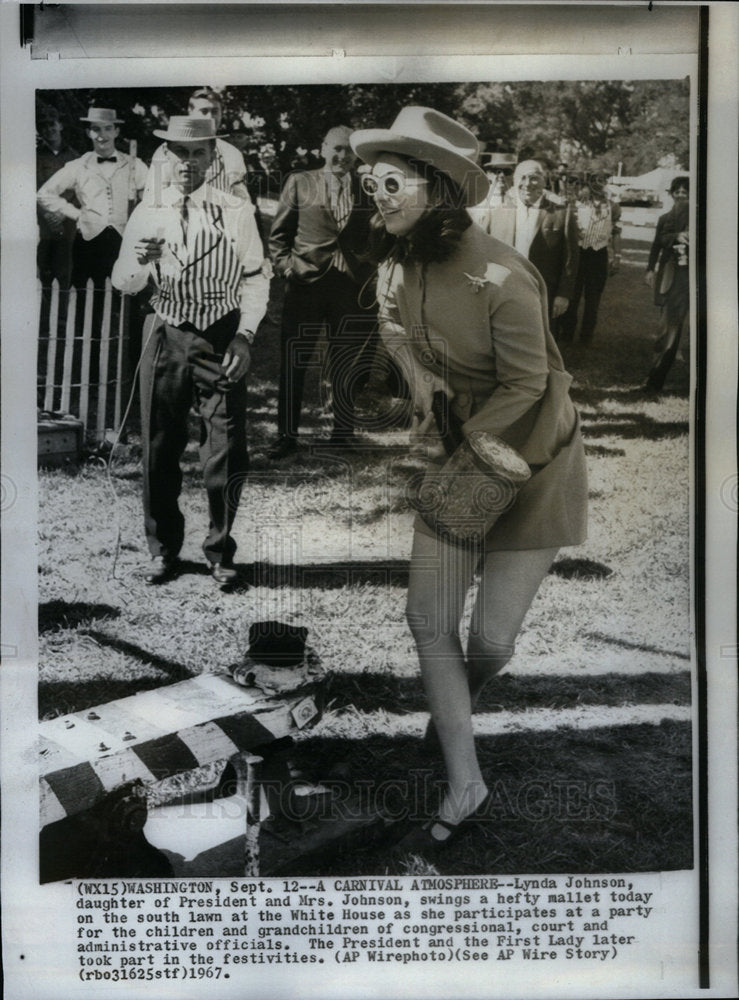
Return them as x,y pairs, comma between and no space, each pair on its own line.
466,315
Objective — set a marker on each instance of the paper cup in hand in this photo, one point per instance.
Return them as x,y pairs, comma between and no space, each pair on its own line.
463,499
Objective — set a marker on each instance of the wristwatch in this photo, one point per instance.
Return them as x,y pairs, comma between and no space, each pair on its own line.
248,336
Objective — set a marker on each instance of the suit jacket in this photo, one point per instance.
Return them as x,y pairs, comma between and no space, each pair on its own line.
305,235
554,250
662,256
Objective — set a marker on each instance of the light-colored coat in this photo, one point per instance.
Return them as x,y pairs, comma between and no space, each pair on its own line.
479,320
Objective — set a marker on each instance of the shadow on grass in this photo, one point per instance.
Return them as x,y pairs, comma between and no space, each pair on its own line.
72,614
175,671
614,799
57,698
324,576
379,573
580,569
592,395
639,426
603,451
60,697
613,640
511,692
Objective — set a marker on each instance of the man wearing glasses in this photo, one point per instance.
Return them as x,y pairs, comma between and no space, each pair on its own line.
499,168
318,234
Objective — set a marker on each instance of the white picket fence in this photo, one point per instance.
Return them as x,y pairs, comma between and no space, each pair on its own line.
83,363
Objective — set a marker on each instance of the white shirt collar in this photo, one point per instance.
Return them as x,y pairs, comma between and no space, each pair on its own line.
173,196
537,204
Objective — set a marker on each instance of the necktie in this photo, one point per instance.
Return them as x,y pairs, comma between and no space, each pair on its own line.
341,201
107,159
185,215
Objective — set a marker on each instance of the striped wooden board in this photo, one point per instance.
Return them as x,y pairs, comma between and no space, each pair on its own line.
154,735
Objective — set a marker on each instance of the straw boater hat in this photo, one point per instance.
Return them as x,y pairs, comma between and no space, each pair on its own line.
427,135
184,128
102,116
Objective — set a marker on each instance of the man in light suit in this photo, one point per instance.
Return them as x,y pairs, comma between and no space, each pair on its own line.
106,184
319,231
543,228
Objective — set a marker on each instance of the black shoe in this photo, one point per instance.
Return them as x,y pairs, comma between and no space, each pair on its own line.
420,839
282,447
224,574
161,569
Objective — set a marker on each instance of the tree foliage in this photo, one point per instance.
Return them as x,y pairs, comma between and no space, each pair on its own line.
639,124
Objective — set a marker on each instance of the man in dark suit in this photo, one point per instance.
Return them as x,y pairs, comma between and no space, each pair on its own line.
543,228
319,230
668,274
56,233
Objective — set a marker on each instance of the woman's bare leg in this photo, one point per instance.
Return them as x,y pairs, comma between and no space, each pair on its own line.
440,576
509,582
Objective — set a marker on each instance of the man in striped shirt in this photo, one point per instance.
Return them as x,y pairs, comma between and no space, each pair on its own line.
201,251
596,219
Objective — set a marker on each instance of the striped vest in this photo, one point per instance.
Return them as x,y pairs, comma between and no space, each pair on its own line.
203,284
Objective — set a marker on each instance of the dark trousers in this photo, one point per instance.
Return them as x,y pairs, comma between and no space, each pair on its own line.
592,273
674,311
329,302
54,259
181,367
95,258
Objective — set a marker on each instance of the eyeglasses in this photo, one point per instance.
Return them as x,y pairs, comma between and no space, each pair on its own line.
391,185
503,171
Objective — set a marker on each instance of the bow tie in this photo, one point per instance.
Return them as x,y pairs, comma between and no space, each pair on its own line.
107,159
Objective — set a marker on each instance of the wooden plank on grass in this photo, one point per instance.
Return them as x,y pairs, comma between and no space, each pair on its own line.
152,735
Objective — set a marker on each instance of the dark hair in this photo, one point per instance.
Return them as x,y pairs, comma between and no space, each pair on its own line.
680,182
206,94
437,233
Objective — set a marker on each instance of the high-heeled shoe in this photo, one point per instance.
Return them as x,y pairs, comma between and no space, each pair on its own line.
420,839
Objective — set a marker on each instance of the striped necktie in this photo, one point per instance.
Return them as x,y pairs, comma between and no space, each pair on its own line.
341,200
185,216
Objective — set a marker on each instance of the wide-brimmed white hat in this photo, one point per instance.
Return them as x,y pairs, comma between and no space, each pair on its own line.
434,138
187,128
102,116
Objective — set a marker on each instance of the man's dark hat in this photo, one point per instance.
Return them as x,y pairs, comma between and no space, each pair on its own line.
277,644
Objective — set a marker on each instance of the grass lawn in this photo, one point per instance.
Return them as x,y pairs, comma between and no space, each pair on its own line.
586,737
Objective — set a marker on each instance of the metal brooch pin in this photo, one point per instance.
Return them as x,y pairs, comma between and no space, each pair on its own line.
474,282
